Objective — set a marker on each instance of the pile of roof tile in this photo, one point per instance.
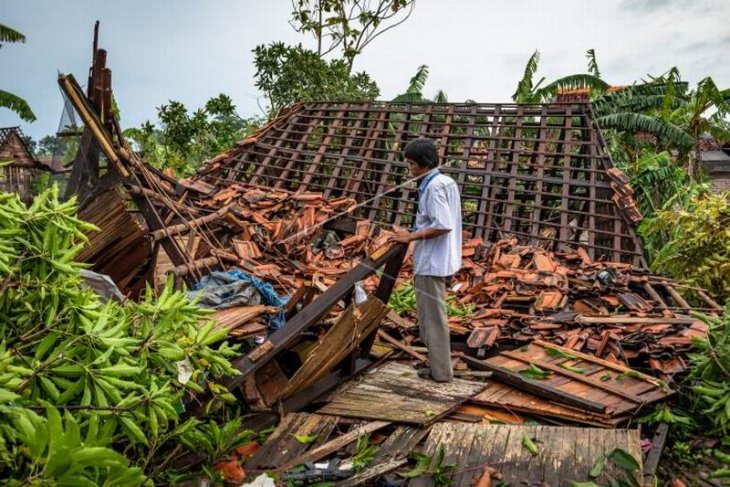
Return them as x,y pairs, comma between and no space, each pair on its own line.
281,237
519,294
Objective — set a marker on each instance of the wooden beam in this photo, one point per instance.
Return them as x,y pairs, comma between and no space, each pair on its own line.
576,377
402,346
652,459
335,445
185,269
542,390
181,227
617,320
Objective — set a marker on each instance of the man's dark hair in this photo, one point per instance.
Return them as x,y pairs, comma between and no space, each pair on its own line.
423,152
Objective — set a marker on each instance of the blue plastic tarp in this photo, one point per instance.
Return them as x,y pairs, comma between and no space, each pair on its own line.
266,290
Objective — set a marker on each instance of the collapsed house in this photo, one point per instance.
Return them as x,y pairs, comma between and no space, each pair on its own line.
557,320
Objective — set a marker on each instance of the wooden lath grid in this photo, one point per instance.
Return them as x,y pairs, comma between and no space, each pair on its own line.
537,172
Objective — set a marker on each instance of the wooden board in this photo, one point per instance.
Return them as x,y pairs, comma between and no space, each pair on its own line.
282,446
391,454
352,327
618,389
565,454
393,392
511,399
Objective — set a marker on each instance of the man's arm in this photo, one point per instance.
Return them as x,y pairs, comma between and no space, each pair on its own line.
423,234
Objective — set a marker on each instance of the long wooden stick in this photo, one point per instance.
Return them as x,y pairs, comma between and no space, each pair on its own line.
181,227
335,445
402,346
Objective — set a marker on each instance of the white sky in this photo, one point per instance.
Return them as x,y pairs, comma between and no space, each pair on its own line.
191,50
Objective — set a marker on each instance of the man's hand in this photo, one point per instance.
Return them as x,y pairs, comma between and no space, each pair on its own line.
402,236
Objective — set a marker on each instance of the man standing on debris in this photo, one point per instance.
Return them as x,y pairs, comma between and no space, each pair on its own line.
437,255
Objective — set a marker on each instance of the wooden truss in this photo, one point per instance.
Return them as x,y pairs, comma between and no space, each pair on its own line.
537,172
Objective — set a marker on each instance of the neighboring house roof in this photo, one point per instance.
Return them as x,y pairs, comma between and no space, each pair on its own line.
582,95
14,148
715,161
53,164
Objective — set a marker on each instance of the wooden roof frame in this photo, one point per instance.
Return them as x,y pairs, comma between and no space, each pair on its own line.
541,173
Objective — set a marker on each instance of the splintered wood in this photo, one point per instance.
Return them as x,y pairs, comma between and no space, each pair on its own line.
564,454
283,445
509,398
393,392
238,320
356,323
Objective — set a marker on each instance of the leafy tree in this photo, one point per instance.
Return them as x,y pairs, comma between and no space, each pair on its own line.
696,239
657,182
8,100
348,25
49,145
184,139
528,91
289,74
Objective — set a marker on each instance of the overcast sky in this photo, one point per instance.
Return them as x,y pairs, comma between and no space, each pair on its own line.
191,50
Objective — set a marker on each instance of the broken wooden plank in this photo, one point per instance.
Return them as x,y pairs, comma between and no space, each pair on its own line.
513,400
402,346
367,476
533,386
572,375
232,318
627,319
335,445
655,454
283,446
393,392
352,327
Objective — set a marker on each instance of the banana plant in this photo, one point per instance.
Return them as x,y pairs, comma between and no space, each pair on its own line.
114,362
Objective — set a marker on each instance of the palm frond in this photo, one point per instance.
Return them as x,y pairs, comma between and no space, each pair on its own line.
657,180
645,96
10,35
592,63
440,97
572,82
415,86
720,128
628,103
408,98
17,105
638,122
713,94
525,85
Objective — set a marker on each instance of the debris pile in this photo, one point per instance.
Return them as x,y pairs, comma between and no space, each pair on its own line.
518,294
566,331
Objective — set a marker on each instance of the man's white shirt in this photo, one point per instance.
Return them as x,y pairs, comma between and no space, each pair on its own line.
439,207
